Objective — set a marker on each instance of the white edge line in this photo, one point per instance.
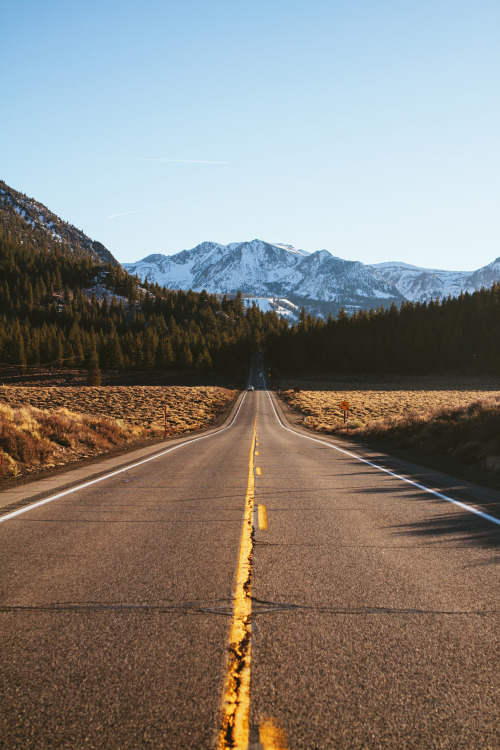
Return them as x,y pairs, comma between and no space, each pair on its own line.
26,508
469,508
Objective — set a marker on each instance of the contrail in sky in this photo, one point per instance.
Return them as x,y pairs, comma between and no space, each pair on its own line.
146,208
180,161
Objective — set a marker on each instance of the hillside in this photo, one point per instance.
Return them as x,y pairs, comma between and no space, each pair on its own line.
29,222
461,333
66,302
62,309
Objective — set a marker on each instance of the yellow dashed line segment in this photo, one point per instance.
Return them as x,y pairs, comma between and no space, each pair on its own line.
272,736
262,517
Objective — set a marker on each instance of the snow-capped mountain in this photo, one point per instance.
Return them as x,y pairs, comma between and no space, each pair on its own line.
422,284
35,218
269,270
319,281
251,267
485,276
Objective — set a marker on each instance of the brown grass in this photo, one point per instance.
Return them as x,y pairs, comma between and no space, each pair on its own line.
371,408
51,426
461,423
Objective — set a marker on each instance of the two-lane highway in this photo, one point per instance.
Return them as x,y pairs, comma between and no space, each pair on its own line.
365,611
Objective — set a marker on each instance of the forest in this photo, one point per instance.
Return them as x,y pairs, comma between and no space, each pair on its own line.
48,316
461,333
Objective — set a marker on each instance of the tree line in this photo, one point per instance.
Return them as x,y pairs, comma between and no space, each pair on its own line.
49,316
461,333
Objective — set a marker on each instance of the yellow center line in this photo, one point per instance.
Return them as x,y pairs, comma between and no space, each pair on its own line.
235,710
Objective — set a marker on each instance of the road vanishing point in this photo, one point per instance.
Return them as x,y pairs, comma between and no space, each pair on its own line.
253,586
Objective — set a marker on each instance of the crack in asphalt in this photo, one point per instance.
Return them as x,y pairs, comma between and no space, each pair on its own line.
262,606
225,607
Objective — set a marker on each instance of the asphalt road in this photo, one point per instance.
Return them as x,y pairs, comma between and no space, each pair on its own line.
375,606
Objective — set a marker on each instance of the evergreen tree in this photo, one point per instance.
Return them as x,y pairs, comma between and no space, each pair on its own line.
186,358
93,371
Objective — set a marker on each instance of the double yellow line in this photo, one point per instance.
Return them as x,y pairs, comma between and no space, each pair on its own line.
235,724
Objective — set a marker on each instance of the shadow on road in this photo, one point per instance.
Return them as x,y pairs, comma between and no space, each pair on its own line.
456,527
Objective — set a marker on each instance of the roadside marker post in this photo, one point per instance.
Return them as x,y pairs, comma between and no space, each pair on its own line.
345,408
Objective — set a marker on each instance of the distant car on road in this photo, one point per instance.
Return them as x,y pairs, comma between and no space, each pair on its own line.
250,388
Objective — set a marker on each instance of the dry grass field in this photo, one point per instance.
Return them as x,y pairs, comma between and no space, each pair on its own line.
49,426
371,408
458,419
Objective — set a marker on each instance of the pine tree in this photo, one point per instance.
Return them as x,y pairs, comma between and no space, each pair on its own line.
93,372
203,362
186,358
165,355
115,354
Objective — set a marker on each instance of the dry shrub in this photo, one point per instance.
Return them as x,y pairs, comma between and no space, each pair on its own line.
8,467
19,446
55,438
374,410
57,427
107,429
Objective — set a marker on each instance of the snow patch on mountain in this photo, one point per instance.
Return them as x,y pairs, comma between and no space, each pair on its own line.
283,307
422,284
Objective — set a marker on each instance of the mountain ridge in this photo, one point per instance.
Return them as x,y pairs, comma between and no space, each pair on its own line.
264,269
320,281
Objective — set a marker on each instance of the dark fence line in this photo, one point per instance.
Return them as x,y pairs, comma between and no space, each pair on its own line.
12,373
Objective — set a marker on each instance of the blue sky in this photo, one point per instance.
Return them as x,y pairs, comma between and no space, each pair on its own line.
370,129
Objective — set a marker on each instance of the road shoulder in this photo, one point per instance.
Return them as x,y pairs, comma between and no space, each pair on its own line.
484,498
35,487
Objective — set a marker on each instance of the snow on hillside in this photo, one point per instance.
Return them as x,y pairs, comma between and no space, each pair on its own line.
36,216
422,284
283,307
